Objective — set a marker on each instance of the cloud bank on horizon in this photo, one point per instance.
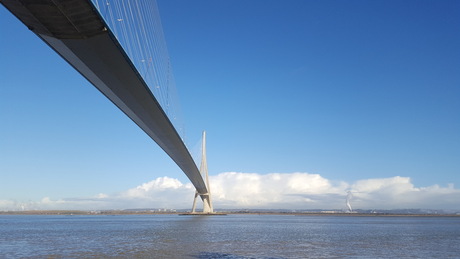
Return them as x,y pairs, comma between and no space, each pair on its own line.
234,190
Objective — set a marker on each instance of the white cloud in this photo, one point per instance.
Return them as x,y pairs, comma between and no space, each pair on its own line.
399,192
276,190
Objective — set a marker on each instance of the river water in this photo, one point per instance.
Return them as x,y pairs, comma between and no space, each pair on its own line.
231,236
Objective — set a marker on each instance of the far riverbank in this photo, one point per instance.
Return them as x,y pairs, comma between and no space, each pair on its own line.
150,212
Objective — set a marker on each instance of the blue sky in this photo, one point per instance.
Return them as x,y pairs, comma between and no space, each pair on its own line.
346,90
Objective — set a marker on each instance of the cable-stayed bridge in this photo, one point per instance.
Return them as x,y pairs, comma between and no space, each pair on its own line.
119,47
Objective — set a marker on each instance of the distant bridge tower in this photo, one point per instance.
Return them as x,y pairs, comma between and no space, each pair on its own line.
349,196
206,197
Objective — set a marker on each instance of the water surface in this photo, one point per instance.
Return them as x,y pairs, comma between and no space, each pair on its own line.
232,236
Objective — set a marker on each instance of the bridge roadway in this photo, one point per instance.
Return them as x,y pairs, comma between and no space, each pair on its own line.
77,32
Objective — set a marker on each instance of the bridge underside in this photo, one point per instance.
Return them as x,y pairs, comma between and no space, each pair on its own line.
75,30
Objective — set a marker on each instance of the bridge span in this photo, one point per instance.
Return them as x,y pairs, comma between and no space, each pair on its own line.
78,33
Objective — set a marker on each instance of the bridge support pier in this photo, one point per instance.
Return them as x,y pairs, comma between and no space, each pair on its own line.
207,206
205,197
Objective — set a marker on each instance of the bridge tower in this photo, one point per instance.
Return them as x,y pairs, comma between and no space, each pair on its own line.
206,197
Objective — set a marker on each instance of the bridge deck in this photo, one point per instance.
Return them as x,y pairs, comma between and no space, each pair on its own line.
75,30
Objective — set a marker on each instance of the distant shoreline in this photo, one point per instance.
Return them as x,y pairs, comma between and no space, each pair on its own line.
124,212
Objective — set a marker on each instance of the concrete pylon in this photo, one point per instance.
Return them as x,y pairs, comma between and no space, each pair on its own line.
206,197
